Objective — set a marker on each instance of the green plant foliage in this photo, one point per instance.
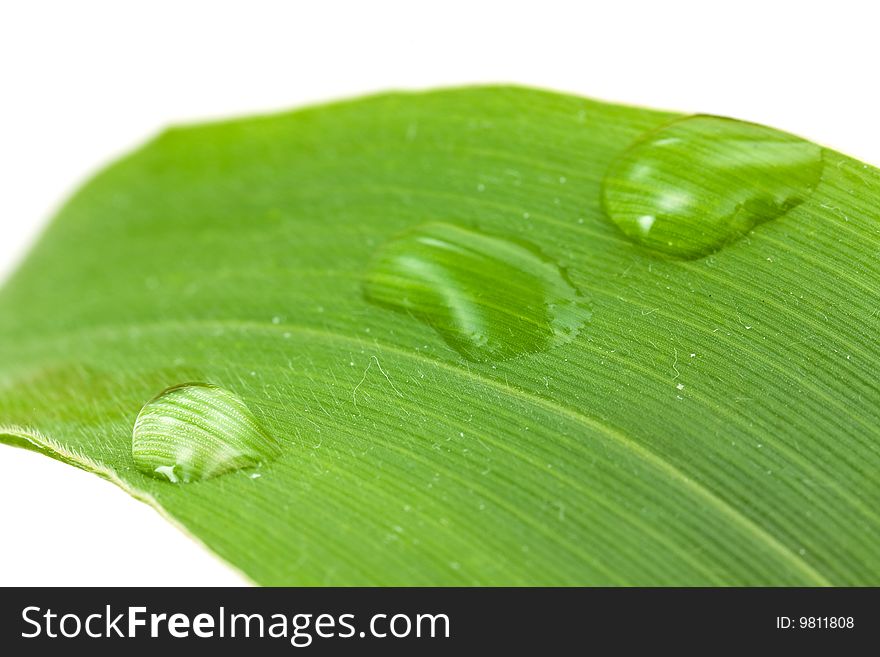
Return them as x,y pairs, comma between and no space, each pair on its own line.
350,273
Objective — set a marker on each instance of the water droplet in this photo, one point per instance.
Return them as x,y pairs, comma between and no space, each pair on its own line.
196,431
489,298
698,183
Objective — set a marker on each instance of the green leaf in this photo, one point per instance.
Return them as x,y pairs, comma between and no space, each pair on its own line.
474,375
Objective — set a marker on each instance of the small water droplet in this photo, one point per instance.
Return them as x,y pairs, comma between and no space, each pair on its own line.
698,183
488,297
196,431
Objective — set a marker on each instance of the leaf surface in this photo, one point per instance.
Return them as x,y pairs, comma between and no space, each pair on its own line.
714,421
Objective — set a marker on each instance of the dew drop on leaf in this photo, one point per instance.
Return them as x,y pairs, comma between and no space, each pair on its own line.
489,298
196,431
699,183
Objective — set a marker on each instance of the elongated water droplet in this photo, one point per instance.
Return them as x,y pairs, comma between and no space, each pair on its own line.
489,298
696,184
195,431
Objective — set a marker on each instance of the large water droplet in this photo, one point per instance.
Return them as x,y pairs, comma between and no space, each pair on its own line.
196,431
698,183
489,298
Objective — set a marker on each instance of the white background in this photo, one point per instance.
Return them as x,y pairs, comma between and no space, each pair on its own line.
84,81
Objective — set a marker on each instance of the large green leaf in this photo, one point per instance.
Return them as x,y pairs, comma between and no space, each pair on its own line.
711,420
